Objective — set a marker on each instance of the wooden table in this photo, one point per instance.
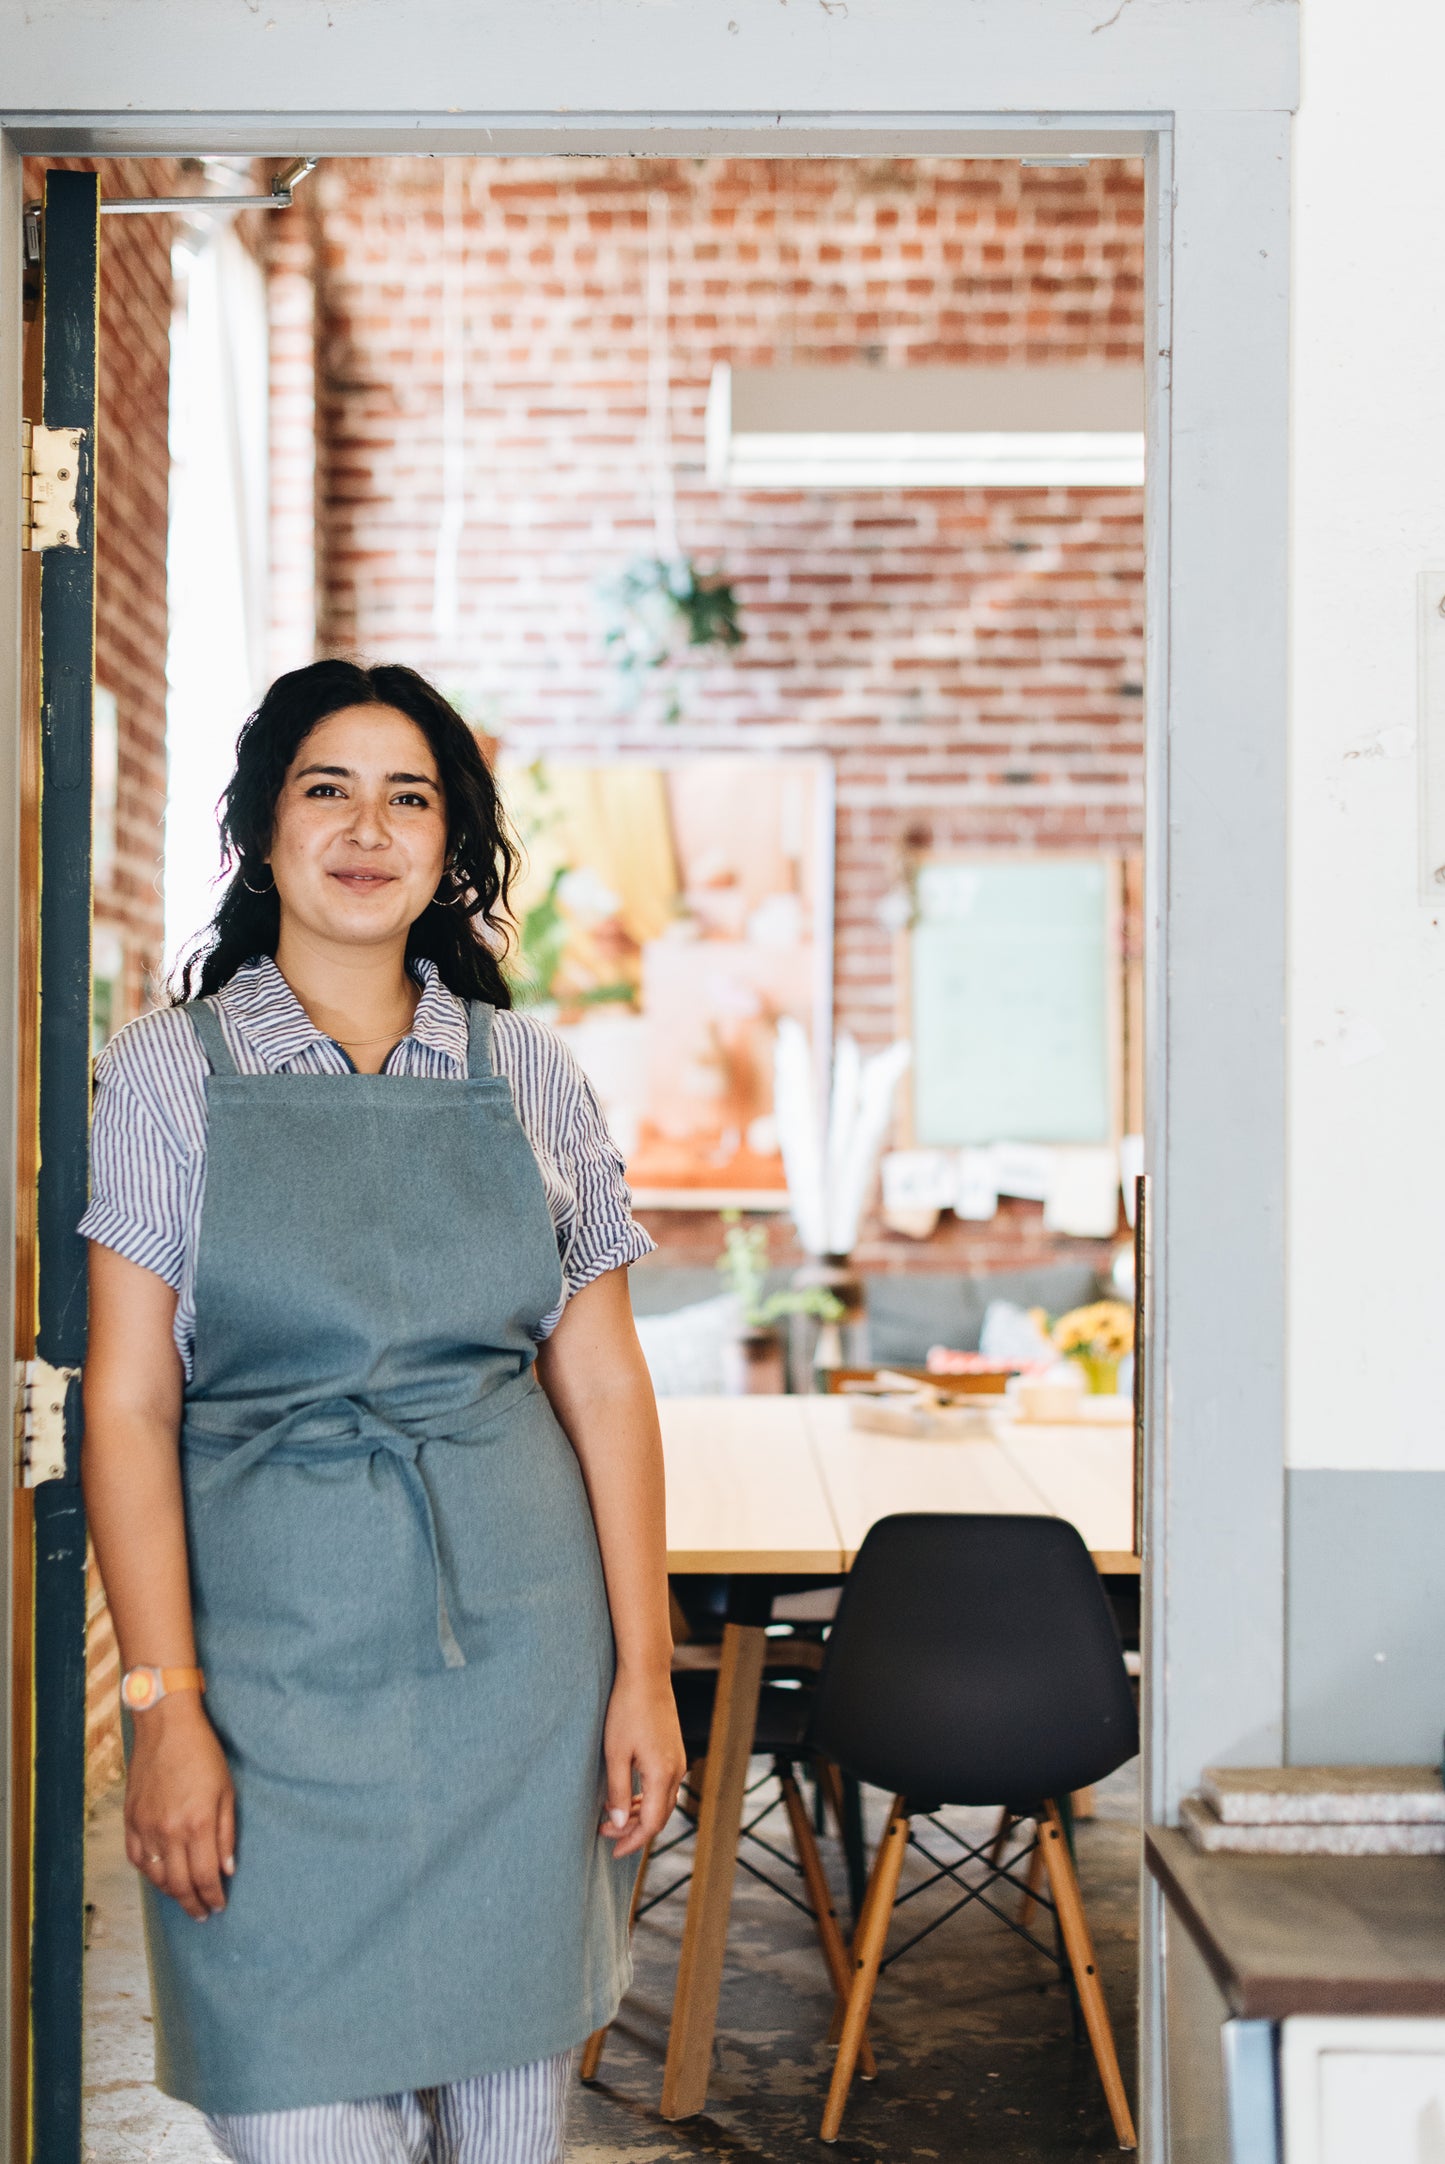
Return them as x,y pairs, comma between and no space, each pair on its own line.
773,1487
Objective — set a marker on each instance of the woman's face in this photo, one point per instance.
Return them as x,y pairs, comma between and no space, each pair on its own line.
360,834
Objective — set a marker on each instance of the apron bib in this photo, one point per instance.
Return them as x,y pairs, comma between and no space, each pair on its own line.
399,1605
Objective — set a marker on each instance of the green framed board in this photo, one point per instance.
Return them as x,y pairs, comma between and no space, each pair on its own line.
1014,998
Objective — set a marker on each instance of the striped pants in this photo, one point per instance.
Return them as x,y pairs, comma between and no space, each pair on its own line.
516,2117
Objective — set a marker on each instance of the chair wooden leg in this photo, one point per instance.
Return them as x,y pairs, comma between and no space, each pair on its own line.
1006,1824
830,1781
835,2029
825,1917
1080,1949
1083,1804
705,1928
840,2008
867,1956
854,1847
591,2057
1033,1882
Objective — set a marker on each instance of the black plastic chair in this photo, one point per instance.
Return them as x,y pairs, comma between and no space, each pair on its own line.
975,1661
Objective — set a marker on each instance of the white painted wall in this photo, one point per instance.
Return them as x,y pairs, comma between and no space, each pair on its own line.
827,59
1366,1093
884,76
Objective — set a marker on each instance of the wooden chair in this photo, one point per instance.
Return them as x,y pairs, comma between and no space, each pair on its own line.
783,1706
974,1661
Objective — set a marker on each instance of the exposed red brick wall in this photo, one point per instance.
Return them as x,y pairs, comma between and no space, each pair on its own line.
971,660
132,484
1014,1240
132,496
132,489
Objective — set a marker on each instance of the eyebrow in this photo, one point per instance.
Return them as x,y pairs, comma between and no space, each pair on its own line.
349,773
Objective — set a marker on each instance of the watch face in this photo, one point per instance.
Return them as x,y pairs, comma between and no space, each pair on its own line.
140,1689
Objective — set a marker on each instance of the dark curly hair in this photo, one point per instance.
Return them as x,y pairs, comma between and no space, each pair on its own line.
482,856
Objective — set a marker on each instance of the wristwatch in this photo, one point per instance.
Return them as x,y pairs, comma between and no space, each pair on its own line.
142,1688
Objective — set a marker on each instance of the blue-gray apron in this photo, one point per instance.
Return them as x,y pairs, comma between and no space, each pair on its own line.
399,1605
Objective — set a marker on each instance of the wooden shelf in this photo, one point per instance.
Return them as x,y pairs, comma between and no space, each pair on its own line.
1287,1935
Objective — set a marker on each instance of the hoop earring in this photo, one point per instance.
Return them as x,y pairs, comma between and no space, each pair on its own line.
457,898
257,890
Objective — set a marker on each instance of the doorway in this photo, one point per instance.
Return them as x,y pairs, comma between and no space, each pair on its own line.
514,370
1169,1018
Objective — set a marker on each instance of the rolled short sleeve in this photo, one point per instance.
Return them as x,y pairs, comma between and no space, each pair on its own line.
604,1234
142,1177
581,1165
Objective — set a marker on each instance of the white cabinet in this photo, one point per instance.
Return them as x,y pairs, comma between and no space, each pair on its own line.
1363,2091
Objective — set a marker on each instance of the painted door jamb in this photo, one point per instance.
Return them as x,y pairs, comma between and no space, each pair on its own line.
1216,363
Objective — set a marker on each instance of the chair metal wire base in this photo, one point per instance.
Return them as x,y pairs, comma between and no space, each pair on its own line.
748,1831
975,1890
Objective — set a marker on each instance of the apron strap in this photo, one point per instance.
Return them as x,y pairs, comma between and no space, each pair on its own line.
480,1064
206,1023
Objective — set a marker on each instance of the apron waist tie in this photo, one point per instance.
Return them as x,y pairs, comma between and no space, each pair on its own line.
338,1428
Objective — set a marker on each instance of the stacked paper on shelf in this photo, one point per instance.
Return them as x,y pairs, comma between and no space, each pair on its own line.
1319,1810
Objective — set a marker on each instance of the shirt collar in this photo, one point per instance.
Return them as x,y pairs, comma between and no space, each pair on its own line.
262,1005
440,1021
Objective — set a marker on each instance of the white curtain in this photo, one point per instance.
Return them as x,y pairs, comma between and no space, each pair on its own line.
217,574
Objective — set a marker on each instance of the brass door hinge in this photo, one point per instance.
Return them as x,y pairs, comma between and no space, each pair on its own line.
40,1394
49,476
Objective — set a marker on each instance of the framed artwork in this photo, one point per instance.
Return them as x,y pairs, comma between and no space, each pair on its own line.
668,915
1015,982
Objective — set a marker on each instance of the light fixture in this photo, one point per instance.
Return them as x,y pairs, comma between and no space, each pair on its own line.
1055,426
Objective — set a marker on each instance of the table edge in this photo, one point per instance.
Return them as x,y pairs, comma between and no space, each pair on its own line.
757,1562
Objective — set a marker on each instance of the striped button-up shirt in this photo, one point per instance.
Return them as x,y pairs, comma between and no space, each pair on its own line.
148,1138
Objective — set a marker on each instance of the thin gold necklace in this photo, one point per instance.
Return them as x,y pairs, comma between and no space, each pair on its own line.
364,1044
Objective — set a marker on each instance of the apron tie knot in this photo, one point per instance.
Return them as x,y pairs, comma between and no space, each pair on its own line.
338,1428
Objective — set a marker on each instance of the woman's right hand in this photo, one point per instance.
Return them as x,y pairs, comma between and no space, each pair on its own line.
180,1806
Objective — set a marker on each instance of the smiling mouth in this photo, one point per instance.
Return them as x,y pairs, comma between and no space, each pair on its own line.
364,880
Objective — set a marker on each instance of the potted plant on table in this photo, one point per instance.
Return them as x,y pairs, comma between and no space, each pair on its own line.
1098,1337
758,1366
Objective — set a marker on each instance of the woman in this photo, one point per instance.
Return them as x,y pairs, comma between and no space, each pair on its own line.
373,1471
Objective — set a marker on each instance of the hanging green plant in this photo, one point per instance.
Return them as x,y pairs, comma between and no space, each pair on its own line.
660,609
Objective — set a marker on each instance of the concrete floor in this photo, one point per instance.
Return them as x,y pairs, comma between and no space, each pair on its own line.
127,2120
973,2038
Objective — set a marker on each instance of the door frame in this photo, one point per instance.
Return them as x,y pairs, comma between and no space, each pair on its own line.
1217,347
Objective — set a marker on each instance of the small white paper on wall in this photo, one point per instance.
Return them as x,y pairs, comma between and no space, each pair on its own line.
1131,1165
975,1196
1024,1169
1083,1196
918,1180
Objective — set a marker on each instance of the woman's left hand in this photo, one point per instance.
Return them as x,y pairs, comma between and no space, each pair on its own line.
642,1744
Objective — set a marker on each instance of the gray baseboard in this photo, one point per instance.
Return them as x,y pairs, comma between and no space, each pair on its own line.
1366,1617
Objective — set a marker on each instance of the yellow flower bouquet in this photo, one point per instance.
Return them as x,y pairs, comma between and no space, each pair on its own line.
1098,1337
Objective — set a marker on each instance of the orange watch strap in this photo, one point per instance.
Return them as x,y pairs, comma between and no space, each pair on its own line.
143,1686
